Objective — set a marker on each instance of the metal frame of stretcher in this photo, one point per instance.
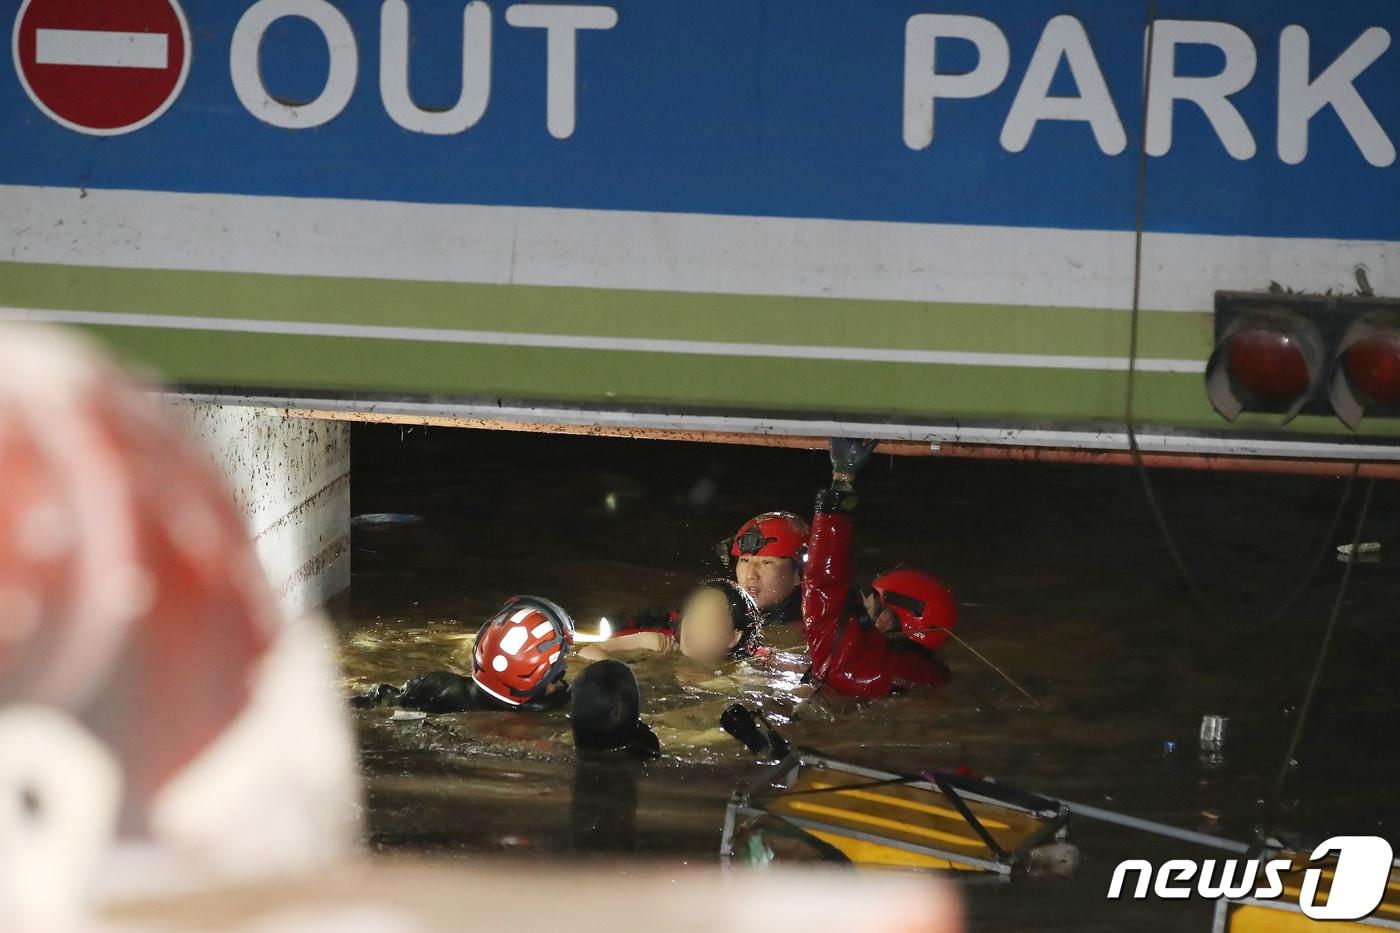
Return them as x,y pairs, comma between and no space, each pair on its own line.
777,785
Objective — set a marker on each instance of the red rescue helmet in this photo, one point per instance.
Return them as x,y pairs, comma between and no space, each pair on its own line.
772,534
522,649
926,608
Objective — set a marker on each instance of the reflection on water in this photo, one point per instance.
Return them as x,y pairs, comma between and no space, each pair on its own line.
1062,581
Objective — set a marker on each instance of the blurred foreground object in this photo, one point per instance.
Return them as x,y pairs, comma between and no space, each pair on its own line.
161,726
402,895
173,755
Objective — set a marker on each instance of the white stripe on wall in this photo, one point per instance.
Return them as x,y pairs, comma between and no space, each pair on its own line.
665,251
579,342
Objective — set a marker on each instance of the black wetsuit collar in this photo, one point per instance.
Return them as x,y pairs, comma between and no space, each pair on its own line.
789,610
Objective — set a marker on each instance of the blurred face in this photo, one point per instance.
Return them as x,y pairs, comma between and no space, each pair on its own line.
707,632
769,580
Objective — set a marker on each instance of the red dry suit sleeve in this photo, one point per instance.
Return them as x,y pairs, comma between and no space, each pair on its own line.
849,653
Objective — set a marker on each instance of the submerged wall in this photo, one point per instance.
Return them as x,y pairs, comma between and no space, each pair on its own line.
291,477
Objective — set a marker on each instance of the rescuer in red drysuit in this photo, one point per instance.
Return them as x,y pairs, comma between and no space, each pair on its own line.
849,653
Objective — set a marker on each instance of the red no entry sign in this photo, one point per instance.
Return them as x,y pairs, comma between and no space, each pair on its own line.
102,68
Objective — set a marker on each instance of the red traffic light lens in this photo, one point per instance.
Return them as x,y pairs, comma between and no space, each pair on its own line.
1269,364
1373,365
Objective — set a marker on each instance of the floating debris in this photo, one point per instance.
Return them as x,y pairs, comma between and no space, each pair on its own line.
1212,748
1058,859
1368,552
384,519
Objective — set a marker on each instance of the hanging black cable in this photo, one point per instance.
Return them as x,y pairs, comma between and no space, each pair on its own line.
1306,706
1324,548
1129,408
1198,597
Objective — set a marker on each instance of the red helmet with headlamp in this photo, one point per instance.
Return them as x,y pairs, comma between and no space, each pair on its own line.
772,534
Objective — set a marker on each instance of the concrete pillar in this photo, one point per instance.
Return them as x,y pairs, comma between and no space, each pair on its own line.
291,477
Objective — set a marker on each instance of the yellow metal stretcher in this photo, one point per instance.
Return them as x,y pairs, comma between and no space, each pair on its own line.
878,819
1283,915
952,822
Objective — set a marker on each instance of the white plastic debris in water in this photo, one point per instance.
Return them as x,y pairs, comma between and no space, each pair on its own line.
407,715
384,519
1059,859
1367,552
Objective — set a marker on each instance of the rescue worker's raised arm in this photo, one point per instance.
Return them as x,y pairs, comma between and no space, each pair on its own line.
826,581
848,652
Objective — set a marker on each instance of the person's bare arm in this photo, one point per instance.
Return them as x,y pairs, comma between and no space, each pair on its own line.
657,642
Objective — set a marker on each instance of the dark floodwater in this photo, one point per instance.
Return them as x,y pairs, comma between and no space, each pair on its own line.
1063,581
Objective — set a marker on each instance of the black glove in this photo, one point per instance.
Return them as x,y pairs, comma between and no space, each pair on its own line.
743,724
848,455
376,696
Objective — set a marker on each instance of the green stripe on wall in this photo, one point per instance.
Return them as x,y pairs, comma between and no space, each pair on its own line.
605,312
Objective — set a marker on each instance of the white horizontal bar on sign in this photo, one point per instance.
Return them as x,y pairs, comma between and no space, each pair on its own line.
1183,271
672,252
629,250
583,342
932,434
102,48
